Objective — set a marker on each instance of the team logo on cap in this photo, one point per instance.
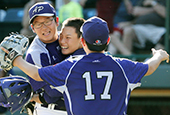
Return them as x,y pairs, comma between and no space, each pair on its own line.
37,9
97,42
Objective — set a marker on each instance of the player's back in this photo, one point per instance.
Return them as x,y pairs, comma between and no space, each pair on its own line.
101,88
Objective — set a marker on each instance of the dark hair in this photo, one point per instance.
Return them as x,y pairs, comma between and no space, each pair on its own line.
54,18
96,47
76,23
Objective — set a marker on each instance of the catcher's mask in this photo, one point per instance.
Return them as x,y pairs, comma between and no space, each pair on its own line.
15,92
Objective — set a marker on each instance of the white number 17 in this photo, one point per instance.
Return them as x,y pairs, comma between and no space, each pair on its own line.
105,94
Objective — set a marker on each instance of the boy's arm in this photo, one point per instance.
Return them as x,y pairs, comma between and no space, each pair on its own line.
30,69
156,59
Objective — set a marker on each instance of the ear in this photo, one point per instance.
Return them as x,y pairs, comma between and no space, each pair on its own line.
83,41
32,27
108,40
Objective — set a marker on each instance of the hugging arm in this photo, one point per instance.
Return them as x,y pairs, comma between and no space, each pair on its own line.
156,59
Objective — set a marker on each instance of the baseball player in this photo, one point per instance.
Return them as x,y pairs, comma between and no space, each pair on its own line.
96,83
43,51
70,37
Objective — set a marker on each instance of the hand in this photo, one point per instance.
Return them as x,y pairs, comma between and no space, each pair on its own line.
162,54
36,98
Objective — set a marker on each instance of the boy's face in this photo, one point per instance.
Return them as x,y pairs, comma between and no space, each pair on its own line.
46,28
69,40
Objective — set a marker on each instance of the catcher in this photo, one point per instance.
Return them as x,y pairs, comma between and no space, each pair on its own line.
43,51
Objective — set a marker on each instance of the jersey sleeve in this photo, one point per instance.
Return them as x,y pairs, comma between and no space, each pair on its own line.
133,70
55,75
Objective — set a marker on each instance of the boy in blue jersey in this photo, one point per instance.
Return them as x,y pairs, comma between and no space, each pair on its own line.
96,83
44,51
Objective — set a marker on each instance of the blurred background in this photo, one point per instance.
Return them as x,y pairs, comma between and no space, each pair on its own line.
124,21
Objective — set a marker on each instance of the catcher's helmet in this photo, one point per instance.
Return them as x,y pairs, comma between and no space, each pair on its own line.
15,92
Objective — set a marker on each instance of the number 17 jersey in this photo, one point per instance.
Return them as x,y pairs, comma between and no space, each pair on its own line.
95,84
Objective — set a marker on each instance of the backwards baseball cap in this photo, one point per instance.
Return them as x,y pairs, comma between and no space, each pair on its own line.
41,9
96,33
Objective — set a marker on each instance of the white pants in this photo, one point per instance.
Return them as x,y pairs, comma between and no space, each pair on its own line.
39,110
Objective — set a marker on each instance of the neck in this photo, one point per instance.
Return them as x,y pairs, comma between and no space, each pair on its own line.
88,52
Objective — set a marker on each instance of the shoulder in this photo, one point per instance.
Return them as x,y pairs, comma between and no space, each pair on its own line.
36,46
74,58
123,60
35,49
130,64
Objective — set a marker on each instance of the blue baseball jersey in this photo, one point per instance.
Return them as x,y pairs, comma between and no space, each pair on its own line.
95,84
42,55
78,52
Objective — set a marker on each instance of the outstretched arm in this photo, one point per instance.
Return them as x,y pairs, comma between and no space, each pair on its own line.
157,58
30,69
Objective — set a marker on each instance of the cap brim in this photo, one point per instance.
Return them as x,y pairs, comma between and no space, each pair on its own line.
45,14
